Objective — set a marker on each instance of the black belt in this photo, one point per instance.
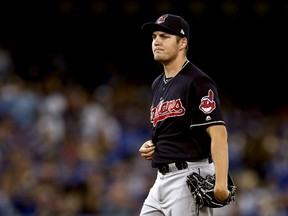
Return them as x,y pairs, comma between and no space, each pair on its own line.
180,165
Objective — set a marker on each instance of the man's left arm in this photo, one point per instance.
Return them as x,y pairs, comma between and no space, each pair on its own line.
219,151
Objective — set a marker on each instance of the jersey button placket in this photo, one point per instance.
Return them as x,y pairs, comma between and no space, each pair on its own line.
163,89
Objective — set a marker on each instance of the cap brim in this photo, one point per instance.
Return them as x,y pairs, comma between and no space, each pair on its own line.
150,27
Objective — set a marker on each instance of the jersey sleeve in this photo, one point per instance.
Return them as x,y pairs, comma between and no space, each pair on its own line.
206,106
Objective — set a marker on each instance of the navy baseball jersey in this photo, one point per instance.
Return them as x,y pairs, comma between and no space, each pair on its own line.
182,108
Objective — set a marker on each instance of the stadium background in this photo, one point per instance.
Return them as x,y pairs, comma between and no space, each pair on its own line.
74,101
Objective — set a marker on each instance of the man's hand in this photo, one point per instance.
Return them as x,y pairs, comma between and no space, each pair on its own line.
203,191
147,150
221,194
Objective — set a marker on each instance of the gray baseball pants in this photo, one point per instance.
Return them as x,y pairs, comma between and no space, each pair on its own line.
170,195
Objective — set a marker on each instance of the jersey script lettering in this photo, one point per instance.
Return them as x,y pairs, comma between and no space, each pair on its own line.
166,109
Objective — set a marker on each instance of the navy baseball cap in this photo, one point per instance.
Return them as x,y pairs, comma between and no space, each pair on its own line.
169,23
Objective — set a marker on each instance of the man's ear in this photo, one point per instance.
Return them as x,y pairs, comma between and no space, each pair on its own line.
183,43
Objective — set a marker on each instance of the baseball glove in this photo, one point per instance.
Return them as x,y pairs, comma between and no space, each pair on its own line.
202,190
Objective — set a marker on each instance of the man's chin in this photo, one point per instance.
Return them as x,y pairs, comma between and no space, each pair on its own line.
157,58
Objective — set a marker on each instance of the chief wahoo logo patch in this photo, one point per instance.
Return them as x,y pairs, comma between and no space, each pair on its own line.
161,19
208,104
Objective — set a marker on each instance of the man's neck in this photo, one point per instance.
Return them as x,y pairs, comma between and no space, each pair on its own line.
174,67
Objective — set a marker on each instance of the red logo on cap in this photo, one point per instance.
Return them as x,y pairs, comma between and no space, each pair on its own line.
161,19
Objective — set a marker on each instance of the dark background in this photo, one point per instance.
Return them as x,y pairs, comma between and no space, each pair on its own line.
242,45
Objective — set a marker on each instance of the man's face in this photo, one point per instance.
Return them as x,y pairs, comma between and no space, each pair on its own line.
164,46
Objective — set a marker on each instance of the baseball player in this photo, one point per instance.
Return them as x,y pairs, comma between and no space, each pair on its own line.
188,130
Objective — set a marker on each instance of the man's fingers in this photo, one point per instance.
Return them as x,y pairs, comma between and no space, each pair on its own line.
147,149
147,153
148,158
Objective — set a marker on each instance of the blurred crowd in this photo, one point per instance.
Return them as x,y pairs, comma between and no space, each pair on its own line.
69,151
